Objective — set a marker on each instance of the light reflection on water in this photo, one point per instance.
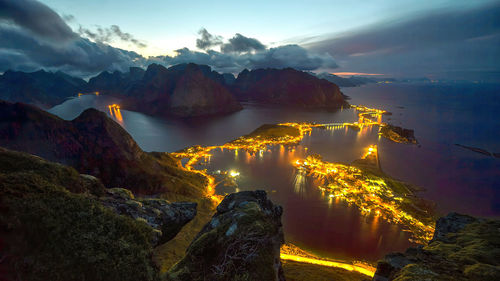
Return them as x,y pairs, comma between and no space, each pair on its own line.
313,220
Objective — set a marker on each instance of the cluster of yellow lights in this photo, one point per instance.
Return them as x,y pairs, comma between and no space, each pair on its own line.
367,117
259,143
251,144
371,194
114,110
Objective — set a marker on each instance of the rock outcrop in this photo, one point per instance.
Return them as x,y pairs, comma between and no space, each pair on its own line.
41,88
166,218
398,134
94,144
241,242
288,87
463,248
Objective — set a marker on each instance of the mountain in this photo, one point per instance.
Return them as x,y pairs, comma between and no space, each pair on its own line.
94,144
115,83
41,88
287,87
183,90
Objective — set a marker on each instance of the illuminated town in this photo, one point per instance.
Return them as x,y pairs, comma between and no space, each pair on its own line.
370,193
287,134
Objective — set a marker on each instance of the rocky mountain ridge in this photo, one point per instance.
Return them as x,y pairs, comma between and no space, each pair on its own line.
94,144
184,90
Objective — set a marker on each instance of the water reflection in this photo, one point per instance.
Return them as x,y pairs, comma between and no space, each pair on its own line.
299,181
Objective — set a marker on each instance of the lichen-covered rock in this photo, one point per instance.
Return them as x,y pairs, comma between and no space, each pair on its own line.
463,248
452,223
241,242
164,217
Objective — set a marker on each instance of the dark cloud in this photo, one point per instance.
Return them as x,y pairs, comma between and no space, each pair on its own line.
109,35
279,57
438,42
242,44
37,18
290,56
34,37
21,51
26,46
207,40
68,18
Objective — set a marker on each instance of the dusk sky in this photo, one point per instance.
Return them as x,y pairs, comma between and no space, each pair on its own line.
435,39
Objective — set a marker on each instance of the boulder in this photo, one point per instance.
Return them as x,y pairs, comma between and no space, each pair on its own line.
241,242
166,218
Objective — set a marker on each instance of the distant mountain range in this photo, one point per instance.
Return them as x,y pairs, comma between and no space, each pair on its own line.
183,90
41,88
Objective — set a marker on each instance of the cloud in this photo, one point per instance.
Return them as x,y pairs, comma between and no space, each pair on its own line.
21,51
437,42
207,40
35,37
109,35
242,44
30,45
241,52
37,18
279,57
290,56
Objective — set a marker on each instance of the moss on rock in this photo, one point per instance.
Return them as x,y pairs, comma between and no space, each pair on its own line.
463,248
241,242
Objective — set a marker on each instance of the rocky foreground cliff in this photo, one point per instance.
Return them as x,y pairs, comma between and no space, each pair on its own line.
463,248
57,224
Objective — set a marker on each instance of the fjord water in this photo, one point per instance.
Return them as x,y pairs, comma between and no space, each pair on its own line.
441,115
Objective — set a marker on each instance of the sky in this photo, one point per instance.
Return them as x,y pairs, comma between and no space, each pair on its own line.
397,38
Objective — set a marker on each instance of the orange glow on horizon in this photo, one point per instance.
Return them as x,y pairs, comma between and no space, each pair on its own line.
355,74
